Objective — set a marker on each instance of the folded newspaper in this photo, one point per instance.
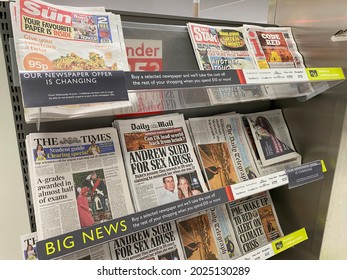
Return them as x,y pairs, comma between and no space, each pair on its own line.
60,38
160,160
77,179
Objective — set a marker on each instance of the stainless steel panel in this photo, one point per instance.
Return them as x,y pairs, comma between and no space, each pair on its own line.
316,125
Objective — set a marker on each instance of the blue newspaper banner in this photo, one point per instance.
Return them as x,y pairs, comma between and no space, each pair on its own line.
55,88
304,174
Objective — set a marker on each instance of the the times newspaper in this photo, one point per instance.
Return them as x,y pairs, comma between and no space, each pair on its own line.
77,179
160,160
223,149
273,47
99,252
157,243
272,138
255,221
50,37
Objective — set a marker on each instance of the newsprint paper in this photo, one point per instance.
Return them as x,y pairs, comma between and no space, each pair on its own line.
157,243
77,179
160,160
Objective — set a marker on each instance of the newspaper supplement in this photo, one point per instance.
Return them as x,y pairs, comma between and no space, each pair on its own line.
157,243
160,160
273,47
224,233
255,221
271,136
77,179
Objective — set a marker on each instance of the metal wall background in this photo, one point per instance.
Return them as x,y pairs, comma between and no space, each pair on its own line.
316,125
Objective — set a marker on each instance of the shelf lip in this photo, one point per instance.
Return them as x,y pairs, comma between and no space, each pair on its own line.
98,234
277,246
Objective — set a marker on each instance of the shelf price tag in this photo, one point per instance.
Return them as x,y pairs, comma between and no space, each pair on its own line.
274,76
290,240
305,173
325,74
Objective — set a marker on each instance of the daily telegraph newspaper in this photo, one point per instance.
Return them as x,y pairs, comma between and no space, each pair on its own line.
223,149
255,221
61,38
224,233
160,160
157,243
271,137
28,242
77,179
273,47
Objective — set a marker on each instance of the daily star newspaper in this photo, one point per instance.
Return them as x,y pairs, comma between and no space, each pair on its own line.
77,179
271,137
255,221
160,160
50,37
157,243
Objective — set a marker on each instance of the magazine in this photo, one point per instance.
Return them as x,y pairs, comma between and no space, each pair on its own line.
273,47
67,38
255,221
160,160
99,252
157,243
223,149
271,137
77,179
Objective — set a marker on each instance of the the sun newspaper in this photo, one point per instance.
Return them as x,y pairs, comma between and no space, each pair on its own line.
157,243
77,179
223,149
61,38
160,160
255,221
271,137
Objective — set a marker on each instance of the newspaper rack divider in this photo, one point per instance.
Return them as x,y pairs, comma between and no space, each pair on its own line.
179,80
84,238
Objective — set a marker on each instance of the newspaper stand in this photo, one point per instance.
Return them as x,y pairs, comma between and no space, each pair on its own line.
313,80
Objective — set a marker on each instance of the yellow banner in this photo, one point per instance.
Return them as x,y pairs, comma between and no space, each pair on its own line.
288,241
324,74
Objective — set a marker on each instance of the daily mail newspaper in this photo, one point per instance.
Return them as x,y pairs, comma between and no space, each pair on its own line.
255,221
50,37
28,242
160,160
77,179
223,149
271,136
157,243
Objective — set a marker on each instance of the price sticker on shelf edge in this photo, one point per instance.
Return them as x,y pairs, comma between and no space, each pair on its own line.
305,173
55,88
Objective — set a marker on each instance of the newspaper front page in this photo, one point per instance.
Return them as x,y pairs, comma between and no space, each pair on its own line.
61,38
160,160
255,221
223,149
77,179
157,243
271,136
